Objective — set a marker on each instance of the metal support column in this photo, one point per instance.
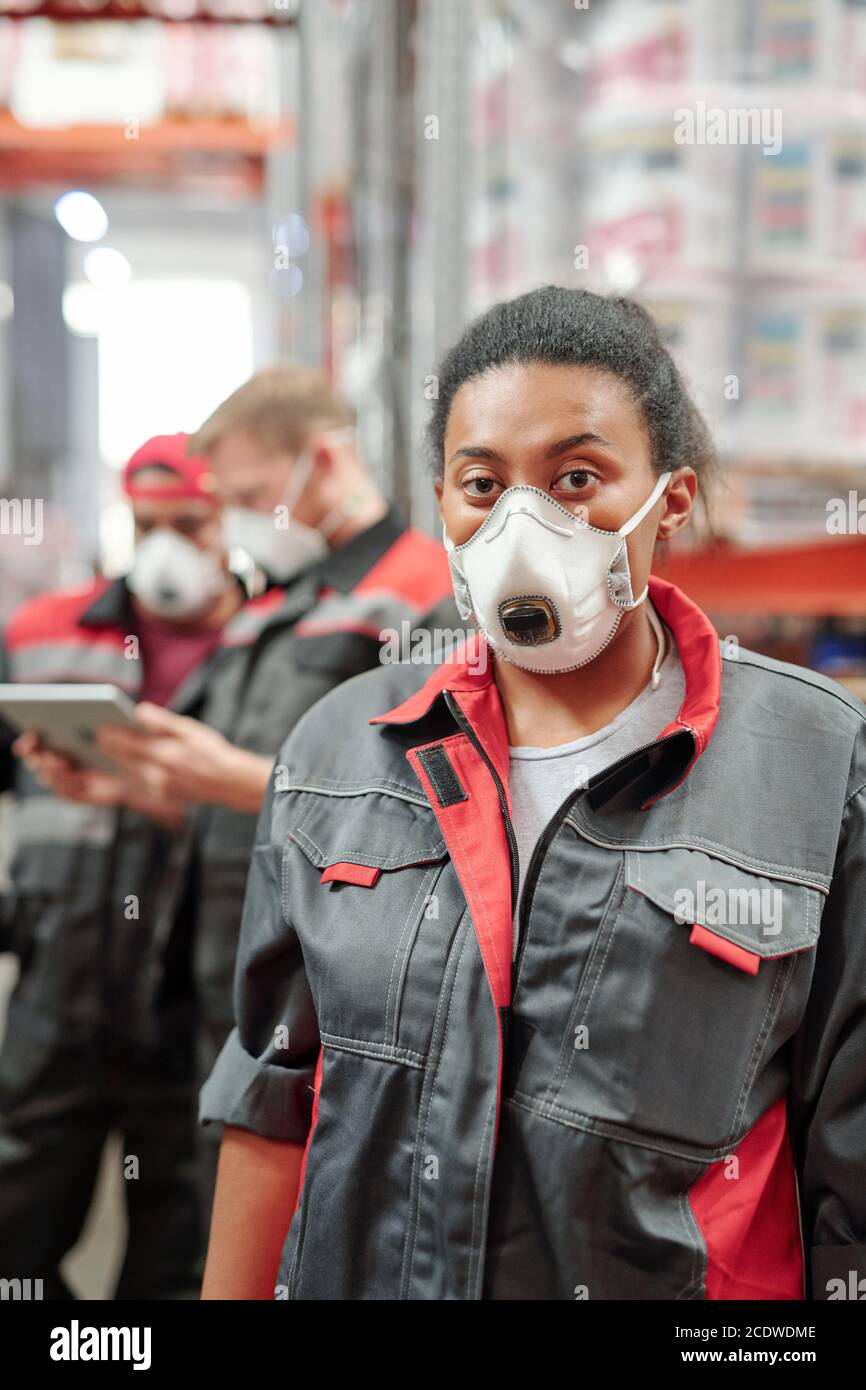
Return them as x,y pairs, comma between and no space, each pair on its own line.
441,244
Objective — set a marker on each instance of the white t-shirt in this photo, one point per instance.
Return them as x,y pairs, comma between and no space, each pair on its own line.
540,779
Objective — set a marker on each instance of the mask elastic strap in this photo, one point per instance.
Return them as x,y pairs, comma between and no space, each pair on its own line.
305,464
304,467
660,645
639,515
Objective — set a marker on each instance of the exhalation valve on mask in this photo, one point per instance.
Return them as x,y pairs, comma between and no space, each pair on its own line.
529,621
547,589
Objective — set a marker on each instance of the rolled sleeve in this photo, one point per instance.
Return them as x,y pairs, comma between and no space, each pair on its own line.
250,1093
262,1079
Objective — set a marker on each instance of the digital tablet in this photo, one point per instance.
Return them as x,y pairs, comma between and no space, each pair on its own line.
66,717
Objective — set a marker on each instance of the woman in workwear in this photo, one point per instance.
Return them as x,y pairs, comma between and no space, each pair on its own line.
552,971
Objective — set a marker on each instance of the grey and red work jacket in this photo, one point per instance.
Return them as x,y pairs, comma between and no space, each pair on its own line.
663,1096
98,894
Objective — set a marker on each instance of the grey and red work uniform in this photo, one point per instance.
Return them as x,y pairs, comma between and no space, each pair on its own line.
642,1105
127,932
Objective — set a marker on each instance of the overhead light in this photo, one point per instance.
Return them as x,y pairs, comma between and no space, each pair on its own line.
107,268
81,216
83,309
293,234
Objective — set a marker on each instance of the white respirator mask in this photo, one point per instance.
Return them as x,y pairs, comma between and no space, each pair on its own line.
278,543
547,589
172,577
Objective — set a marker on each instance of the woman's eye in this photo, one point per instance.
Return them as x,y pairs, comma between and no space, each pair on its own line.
577,480
485,486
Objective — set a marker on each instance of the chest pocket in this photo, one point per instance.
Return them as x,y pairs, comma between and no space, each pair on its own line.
367,883
687,994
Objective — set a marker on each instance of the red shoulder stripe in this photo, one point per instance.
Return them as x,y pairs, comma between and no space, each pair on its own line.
414,568
54,617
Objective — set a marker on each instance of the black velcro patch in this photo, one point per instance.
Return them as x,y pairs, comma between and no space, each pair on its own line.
444,780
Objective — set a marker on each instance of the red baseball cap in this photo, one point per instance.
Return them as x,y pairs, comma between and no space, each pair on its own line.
195,478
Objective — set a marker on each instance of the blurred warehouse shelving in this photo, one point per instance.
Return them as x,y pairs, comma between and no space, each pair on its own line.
603,153
174,152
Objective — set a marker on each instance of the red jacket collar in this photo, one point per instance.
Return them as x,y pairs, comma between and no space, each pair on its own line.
698,645
470,670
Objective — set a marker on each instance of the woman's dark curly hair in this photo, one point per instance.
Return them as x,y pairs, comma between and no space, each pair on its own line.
577,328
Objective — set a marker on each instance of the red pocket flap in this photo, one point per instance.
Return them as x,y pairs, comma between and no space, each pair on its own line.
359,874
725,950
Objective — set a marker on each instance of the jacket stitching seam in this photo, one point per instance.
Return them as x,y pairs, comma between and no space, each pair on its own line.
742,660
560,1114
407,1263
861,788
361,856
697,1246
433,1078
284,879
382,1052
725,853
408,926
771,1013
397,790
475,1249
548,1098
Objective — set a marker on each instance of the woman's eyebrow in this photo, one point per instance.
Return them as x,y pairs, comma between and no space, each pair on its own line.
562,446
575,441
476,451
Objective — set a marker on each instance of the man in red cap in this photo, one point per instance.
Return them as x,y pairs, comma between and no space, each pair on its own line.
183,595
101,1031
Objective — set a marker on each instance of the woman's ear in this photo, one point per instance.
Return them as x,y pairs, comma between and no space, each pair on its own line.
679,500
437,488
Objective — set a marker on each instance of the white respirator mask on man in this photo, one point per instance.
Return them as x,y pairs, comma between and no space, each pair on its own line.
547,589
172,577
278,543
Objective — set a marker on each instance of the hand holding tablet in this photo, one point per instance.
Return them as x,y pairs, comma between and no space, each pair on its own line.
66,717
